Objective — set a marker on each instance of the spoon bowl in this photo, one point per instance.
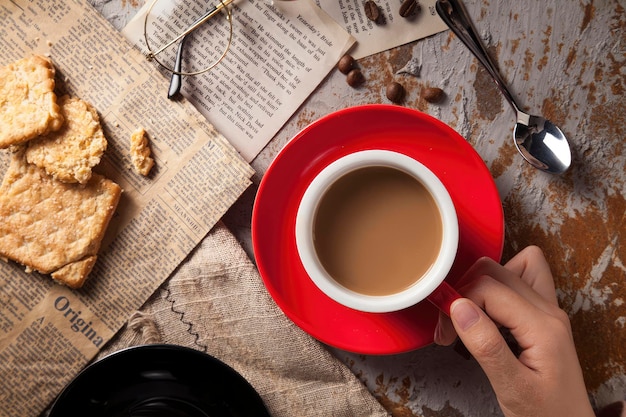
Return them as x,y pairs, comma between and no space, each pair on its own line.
539,141
542,144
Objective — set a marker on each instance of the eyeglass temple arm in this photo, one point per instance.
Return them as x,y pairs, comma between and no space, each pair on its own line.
208,15
176,81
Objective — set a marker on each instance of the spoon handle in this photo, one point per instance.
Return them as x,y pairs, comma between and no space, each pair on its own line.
454,14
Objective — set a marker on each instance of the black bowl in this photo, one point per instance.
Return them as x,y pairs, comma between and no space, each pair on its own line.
159,380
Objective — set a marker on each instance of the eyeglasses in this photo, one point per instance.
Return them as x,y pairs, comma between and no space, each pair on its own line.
168,24
177,22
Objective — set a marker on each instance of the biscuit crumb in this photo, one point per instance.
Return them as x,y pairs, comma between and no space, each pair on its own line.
28,104
140,152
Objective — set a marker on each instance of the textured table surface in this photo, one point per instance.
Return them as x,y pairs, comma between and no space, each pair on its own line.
567,60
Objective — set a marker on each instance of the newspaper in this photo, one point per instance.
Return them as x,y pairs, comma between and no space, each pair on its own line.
280,52
307,39
390,30
48,332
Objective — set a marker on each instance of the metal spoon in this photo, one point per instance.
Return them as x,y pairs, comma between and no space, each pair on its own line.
539,141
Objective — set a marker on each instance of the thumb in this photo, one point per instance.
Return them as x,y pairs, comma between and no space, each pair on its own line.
483,340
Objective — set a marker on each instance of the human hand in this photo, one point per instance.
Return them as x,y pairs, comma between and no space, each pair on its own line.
546,379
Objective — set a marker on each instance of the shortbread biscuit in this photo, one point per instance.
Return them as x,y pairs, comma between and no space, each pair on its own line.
54,227
28,106
140,152
70,153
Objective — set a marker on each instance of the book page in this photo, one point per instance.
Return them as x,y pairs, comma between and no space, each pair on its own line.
390,30
49,332
280,52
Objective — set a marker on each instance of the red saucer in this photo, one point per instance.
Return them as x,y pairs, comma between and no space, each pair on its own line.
418,135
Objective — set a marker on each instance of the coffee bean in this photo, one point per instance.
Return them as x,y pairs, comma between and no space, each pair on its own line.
355,78
409,7
395,92
433,94
346,63
371,10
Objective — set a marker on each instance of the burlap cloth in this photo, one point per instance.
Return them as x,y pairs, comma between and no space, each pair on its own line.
216,302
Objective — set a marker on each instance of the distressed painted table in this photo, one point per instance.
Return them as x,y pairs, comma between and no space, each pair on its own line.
565,59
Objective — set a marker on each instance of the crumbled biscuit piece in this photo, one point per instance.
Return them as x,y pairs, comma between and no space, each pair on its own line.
140,152
74,275
54,227
70,153
28,106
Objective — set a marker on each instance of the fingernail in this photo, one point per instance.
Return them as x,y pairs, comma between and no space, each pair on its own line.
464,314
439,339
437,336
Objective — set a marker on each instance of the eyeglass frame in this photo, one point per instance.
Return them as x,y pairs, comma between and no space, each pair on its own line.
152,56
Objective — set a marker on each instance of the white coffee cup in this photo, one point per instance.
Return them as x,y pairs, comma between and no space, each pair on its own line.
430,286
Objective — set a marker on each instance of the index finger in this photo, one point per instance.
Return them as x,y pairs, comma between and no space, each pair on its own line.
528,273
532,267
512,309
